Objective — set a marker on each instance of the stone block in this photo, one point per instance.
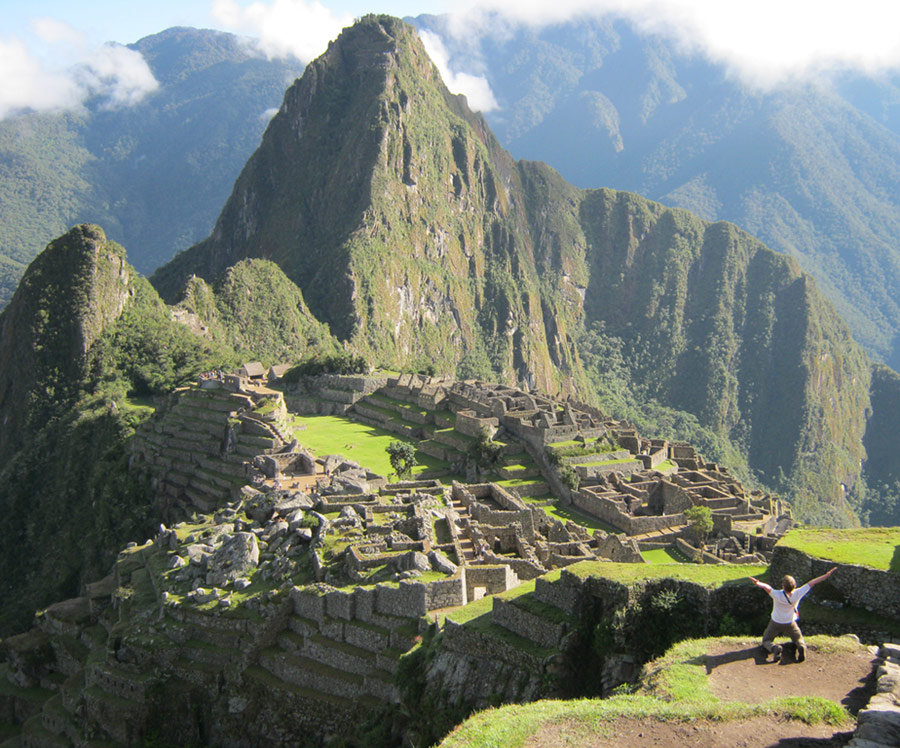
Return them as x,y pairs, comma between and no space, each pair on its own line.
340,604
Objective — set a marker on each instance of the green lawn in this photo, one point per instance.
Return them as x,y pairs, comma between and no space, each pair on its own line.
662,556
878,547
366,444
565,513
708,575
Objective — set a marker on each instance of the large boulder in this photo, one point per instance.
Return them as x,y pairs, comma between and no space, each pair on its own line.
234,559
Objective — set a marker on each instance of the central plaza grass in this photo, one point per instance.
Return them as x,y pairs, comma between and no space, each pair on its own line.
326,435
878,547
662,556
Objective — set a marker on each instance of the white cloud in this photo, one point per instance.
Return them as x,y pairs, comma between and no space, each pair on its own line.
285,28
113,73
119,74
765,41
267,115
26,84
475,88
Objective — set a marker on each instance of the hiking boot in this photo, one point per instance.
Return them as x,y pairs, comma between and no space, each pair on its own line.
801,652
776,652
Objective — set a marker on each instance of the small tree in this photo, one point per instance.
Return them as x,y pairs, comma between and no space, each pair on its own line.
403,458
700,519
569,476
485,453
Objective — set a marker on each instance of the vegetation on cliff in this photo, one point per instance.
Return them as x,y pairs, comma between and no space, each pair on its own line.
83,343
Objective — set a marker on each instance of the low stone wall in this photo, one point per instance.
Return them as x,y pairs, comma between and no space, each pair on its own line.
540,630
862,586
607,511
493,579
446,593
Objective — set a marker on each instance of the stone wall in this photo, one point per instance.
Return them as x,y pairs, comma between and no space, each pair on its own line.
608,510
468,422
862,586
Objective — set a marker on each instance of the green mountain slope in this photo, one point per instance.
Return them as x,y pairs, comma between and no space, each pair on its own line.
84,340
156,173
809,169
416,238
396,212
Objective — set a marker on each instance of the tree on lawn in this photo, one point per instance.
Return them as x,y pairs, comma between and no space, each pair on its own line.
700,519
403,458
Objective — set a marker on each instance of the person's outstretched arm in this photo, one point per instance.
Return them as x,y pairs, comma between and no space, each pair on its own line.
759,584
814,582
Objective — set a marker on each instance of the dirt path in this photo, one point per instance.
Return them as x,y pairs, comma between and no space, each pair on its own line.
743,675
738,674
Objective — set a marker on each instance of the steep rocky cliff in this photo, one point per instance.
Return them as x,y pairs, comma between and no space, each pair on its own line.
393,208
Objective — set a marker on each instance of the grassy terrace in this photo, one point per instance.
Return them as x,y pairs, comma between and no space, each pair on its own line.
878,547
565,513
664,556
357,441
678,691
709,576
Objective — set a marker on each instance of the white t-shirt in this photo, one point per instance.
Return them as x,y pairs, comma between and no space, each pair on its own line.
784,607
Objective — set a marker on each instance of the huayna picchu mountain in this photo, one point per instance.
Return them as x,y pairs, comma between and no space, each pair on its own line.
418,240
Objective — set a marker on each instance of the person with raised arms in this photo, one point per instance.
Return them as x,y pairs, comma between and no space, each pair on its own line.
784,613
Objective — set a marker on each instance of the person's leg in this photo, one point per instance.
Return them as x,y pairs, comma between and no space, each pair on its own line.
799,643
772,630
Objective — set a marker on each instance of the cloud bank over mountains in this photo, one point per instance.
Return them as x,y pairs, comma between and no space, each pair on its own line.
69,72
764,42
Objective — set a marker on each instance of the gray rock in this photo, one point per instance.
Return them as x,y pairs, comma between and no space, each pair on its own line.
351,484
234,559
201,595
274,530
176,562
294,502
441,563
198,554
295,518
879,726
414,560
350,513
242,583
303,534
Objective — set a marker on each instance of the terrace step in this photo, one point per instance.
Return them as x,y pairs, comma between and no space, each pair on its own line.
35,735
272,681
308,673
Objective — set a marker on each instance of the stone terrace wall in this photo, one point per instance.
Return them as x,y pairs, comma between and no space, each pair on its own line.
862,586
607,510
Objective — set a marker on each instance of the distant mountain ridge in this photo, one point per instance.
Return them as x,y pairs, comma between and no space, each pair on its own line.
155,174
811,169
